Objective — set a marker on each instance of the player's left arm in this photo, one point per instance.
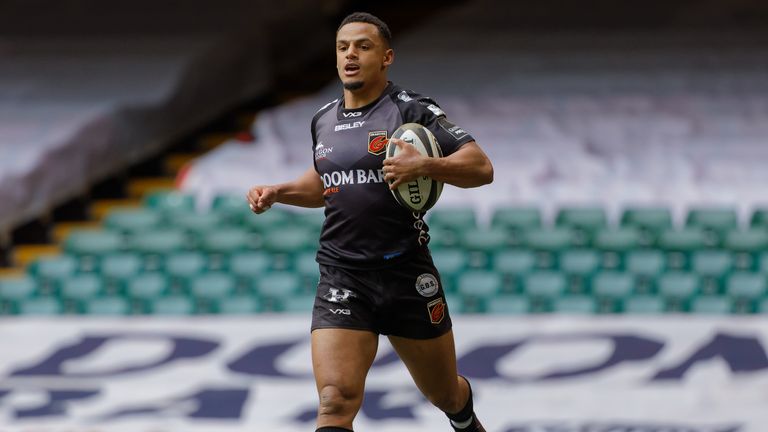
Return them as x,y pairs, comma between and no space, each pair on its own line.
466,167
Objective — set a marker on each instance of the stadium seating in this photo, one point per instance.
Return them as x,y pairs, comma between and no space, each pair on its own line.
164,258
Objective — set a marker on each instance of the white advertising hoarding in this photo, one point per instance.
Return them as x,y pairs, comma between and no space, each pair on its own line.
530,374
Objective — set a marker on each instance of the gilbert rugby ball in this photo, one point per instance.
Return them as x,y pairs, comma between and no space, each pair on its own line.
422,193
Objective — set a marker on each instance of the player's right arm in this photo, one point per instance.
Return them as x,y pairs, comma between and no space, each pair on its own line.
305,191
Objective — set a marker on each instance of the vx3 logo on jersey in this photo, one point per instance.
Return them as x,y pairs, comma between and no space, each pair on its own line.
341,311
352,114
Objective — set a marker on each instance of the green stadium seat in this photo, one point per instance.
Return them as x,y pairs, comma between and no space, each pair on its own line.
582,262
450,262
615,244
230,203
711,305
121,266
172,305
759,218
93,242
290,240
712,266
275,217
613,285
107,306
40,306
746,245
54,267
455,304
147,286
81,287
578,305
233,208
198,224
481,284
679,244
170,201
677,288
547,243
516,220
514,261
130,221
482,243
649,220
645,304
278,284
544,284
159,242
306,266
508,305
484,239
49,271
181,267
299,303
584,221
238,305
453,219
718,220
212,286
645,262
440,238
746,284
226,241
249,264
579,265
17,288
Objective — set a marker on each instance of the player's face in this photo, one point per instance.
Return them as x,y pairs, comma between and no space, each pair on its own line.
362,55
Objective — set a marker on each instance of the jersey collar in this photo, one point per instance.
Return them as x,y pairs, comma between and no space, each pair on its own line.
356,113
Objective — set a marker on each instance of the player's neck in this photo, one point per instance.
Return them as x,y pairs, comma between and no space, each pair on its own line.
365,95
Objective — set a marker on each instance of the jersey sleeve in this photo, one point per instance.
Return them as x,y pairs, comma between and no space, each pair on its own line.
426,112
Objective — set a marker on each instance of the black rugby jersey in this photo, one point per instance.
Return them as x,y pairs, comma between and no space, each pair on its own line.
364,225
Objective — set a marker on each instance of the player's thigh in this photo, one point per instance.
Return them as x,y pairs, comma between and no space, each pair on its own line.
431,362
341,358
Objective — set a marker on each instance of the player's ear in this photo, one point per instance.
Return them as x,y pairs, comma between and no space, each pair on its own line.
389,57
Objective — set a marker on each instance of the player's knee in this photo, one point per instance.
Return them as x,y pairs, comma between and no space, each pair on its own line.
335,402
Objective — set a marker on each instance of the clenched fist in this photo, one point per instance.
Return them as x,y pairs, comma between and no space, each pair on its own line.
261,198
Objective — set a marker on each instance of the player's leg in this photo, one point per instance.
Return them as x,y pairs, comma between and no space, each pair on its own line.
432,364
341,359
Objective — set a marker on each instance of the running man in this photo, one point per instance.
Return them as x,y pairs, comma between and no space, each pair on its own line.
376,272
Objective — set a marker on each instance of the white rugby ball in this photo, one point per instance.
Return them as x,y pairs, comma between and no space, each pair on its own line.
422,193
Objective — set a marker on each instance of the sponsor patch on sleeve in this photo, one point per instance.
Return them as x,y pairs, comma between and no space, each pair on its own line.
452,129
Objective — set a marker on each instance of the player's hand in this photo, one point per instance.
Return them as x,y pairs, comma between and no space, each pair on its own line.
261,198
406,166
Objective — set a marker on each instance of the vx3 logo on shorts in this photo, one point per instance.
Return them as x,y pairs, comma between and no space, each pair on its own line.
338,295
341,311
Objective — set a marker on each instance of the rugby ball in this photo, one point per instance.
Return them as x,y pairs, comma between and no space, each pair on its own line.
422,193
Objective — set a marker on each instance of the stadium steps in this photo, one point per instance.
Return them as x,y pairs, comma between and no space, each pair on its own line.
62,229
100,208
139,187
25,254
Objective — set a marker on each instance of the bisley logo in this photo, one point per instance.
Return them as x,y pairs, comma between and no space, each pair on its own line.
346,126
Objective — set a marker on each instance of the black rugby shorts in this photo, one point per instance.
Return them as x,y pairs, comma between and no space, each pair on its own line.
406,300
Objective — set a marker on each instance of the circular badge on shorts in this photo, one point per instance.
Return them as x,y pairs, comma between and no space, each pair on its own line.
426,285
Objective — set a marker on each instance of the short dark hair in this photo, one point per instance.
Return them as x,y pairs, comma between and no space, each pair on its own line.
365,17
